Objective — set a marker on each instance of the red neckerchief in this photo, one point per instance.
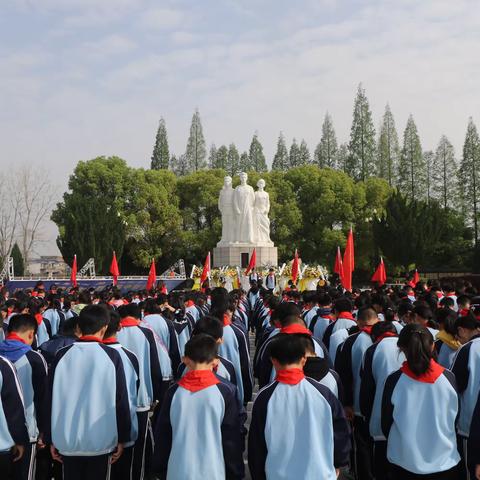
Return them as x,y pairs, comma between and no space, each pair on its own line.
450,294
196,380
163,290
90,338
226,320
290,376
295,328
439,294
14,336
386,335
129,322
125,301
464,312
109,341
270,312
9,311
346,315
367,329
430,376
39,318
190,303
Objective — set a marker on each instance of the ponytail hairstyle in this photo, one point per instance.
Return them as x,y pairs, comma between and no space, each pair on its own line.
416,342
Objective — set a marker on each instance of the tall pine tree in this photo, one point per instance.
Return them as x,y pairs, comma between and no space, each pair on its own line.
361,160
294,155
160,156
411,167
233,160
469,175
196,152
326,152
341,159
212,156
388,151
303,153
222,158
280,160
444,173
18,263
256,156
429,158
244,162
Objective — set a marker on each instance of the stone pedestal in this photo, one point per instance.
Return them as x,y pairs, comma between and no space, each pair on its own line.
267,256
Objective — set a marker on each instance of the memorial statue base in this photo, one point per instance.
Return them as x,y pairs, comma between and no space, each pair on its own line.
238,255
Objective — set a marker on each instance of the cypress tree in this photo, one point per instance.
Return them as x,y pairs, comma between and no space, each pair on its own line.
18,263
160,155
280,160
294,155
303,153
196,153
326,152
256,156
388,148
233,160
444,173
222,158
212,156
244,165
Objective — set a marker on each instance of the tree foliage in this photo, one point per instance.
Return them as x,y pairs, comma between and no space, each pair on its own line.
388,149
280,160
233,160
18,263
256,157
444,174
160,156
326,151
196,152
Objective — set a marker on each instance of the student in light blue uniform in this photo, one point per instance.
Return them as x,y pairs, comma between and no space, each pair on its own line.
89,411
348,363
123,468
323,317
163,329
446,344
344,319
14,436
199,403
54,314
420,391
32,374
155,375
380,360
466,367
298,427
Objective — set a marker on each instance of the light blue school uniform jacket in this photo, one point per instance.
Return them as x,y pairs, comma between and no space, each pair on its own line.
55,317
235,348
225,370
154,376
131,369
336,341
298,431
339,324
165,331
415,442
89,404
445,354
31,371
206,424
381,359
466,367
13,428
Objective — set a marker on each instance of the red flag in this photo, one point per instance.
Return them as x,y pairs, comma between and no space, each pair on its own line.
416,277
348,262
152,276
380,275
253,262
73,275
206,270
114,269
295,267
338,268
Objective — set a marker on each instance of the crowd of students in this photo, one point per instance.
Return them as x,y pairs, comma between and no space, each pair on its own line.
379,384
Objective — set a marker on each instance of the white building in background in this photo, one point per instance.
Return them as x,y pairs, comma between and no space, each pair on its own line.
47,267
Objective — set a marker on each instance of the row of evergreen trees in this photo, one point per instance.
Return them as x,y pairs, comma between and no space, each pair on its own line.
417,173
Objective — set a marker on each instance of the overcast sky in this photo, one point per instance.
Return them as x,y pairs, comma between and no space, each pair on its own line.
82,78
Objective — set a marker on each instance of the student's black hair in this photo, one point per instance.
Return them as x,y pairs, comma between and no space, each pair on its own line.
380,328
468,322
366,314
463,300
151,306
324,299
93,318
287,349
416,342
130,310
423,310
343,304
447,318
209,325
84,297
22,323
68,327
404,307
447,302
113,324
389,314
307,342
201,348
284,310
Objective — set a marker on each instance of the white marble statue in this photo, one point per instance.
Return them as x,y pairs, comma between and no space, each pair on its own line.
225,205
243,204
261,210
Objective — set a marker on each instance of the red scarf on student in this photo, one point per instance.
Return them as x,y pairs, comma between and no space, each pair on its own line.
290,376
190,303
430,376
386,335
14,336
464,312
90,338
196,380
109,341
367,329
295,328
347,315
39,318
129,322
226,320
